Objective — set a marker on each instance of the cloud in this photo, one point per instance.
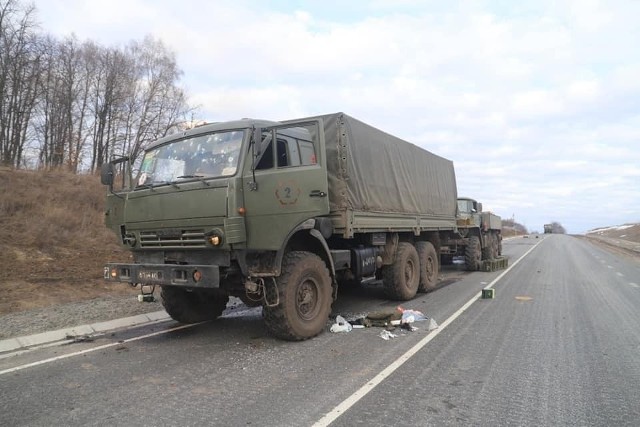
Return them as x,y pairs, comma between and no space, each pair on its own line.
536,102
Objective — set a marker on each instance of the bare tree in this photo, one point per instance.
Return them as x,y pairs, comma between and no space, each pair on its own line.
81,103
20,66
157,103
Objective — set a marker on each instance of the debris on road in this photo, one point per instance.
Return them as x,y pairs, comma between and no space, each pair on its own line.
488,293
386,335
341,325
79,338
389,319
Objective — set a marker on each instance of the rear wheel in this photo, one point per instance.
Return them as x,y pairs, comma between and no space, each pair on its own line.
402,278
472,254
305,297
429,267
192,306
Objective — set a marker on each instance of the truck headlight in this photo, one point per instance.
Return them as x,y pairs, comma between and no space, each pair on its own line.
215,237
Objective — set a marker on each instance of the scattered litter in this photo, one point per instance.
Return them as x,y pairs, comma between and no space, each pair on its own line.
432,325
410,316
390,319
341,325
383,318
79,338
523,298
409,327
488,293
386,335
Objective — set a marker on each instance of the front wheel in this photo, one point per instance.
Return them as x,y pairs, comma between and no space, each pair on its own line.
192,306
305,297
473,254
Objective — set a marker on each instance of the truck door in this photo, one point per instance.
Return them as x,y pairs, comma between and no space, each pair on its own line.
287,185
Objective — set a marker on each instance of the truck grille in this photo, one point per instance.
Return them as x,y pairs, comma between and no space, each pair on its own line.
172,239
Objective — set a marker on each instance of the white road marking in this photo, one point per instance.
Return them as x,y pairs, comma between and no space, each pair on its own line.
634,285
90,350
619,274
608,266
386,372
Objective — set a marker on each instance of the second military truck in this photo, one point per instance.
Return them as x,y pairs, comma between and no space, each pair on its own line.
278,214
479,238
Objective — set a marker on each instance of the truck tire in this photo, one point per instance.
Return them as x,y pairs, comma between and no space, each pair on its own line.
486,250
494,246
472,254
429,267
192,306
402,278
305,297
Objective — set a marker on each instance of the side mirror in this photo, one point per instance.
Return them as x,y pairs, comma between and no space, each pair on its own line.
107,171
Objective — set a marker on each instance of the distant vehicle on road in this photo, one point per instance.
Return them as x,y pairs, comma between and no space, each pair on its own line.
480,236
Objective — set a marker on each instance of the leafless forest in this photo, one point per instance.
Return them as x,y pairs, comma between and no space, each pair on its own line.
72,104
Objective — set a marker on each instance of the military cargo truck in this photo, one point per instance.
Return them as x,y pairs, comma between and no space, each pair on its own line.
548,228
279,213
479,236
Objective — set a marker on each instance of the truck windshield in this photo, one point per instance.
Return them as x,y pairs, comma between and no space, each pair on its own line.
203,156
465,206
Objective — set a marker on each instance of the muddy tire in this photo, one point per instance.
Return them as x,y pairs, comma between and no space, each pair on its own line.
487,251
192,306
402,278
472,254
305,297
429,267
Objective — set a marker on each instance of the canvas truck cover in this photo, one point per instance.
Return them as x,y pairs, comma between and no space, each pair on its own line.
372,171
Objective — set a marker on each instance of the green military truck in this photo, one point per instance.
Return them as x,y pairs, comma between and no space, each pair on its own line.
278,214
479,238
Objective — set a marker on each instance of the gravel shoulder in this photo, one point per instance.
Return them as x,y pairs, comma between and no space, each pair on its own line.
73,314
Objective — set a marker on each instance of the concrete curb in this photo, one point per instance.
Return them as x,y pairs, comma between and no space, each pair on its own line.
13,344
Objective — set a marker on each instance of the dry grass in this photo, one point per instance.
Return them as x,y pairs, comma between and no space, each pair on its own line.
629,232
53,240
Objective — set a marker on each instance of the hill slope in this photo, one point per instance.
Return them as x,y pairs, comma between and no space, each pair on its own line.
630,232
53,242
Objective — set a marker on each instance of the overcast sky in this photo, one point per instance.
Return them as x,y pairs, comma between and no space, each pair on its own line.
536,102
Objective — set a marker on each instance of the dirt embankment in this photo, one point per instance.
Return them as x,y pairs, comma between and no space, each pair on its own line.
53,242
621,238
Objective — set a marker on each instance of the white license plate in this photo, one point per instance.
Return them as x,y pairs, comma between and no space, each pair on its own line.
149,275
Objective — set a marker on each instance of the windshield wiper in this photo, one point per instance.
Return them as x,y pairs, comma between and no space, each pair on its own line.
200,178
149,186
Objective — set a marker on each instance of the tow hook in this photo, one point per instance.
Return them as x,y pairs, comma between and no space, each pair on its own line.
146,293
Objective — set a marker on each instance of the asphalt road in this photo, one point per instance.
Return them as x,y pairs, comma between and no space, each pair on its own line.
558,345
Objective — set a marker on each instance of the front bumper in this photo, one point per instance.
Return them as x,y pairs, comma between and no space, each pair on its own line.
193,276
